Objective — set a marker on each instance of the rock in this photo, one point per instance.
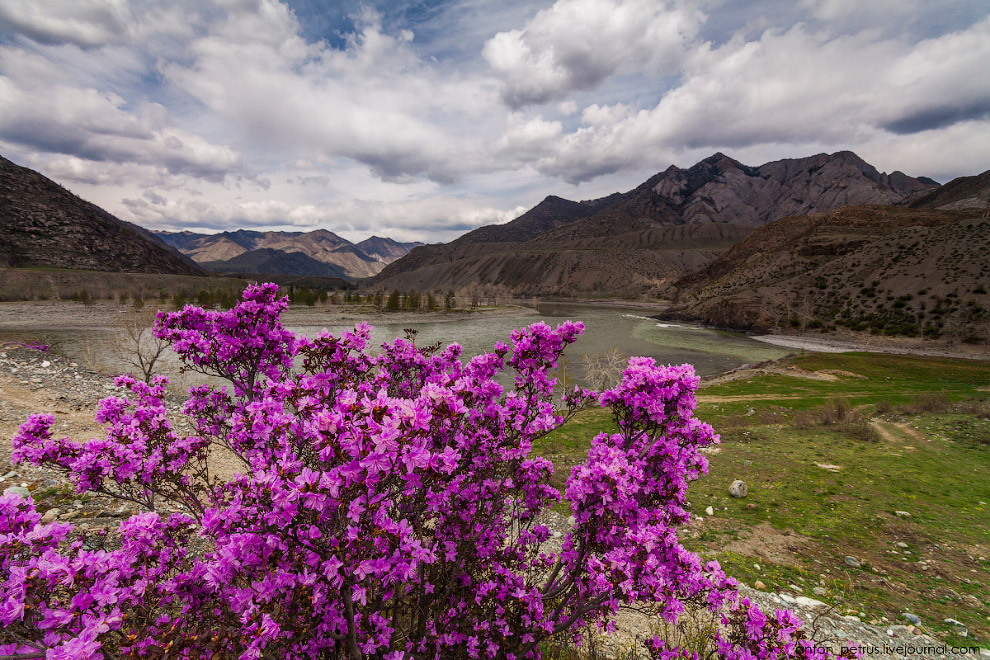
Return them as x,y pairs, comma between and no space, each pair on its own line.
18,490
751,506
738,488
804,601
747,463
124,512
759,585
852,561
69,515
46,364
901,544
50,516
819,591
9,475
709,510
796,588
902,514
913,618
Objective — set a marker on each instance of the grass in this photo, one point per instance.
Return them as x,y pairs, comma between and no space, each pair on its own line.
822,488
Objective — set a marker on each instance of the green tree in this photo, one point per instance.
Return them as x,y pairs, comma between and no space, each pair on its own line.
393,301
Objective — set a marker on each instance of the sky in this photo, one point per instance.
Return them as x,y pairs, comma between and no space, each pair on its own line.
422,119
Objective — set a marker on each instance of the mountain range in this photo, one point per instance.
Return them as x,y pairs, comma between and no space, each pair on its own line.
319,252
640,241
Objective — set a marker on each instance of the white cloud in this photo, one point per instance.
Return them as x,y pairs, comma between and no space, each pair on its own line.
85,23
577,44
789,88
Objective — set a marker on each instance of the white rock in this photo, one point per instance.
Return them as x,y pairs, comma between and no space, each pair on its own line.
18,490
738,488
902,514
46,364
804,601
50,516
709,510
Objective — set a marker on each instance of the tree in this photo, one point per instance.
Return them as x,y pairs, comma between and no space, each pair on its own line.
393,301
388,508
139,346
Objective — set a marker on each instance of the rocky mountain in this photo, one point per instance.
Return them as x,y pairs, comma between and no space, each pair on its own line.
270,261
883,269
43,224
384,250
225,251
639,241
966,192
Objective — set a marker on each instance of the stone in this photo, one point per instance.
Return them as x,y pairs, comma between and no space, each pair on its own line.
9,475
804,601
852,561
902,514
747,463
50,516
901,544
46,364
738,488
751,506
759,585
709,510
69,515
18,490
819,591
913,618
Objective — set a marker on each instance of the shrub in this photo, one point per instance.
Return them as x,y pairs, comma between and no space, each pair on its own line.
388,507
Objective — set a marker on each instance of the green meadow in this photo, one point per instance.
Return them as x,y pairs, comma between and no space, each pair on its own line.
882,458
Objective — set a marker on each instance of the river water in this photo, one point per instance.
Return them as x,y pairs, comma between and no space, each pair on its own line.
87,334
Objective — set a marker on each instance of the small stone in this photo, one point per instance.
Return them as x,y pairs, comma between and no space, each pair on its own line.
69,515
709,510
902,514
8,475
819,591
901,544
50,516
913,618
751,506
851,617
759,585
747,463
46,364
738,488
757,567
852,561
954,622
796,588
804,601
124,512
18,490
73,364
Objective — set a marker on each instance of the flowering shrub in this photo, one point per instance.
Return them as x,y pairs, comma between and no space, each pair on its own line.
388,507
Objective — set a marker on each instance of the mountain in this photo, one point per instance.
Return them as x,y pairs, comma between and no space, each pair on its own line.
218,251
269,261
883,269
966,192
639,241
43,224
384,250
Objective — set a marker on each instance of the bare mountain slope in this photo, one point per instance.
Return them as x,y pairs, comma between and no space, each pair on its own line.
43,224
966,192
883,269
384,250
620,244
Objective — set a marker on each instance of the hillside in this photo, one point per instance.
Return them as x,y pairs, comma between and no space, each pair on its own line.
637,242
275,262
966,192
882,269
43,224
224,251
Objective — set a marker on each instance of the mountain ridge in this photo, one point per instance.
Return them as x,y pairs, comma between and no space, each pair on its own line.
627,230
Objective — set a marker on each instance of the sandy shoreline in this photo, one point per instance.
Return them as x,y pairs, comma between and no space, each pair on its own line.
827,345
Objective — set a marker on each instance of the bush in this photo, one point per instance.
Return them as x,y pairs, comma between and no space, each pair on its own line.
838,413
388,507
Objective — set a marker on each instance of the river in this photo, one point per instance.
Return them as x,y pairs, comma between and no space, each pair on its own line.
86,333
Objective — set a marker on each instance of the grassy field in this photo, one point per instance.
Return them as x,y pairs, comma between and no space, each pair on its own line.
832,447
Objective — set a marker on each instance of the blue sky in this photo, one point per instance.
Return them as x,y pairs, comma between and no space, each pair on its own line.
420,120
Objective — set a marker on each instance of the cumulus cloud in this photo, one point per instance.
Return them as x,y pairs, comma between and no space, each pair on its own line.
577,44
788,87
373,101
